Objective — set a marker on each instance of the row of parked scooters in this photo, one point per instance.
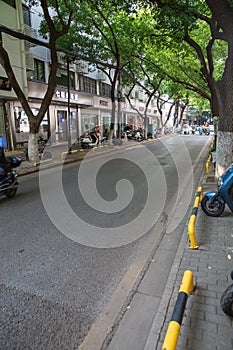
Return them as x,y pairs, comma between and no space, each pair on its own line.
92,138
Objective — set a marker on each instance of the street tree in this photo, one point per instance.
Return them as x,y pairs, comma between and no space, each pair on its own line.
57,17
152,77
112,32
182,21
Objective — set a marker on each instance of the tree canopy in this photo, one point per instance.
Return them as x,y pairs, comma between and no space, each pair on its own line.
180,45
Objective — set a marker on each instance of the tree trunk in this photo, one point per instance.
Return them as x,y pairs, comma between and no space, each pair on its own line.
113,122
33,148
145,127
224,88
224,154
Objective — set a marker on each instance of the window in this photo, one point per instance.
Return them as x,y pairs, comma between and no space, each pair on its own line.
39,71
26,15
88,85
62,79
105,89
10,3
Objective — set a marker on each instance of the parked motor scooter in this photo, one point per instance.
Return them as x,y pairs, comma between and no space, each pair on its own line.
9,183
226,301
89,140
129,134
213,203
138,136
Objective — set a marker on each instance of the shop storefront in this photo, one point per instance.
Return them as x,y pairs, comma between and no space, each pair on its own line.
86,112
89,119
135,121
57,123
21,126
7,96
104,113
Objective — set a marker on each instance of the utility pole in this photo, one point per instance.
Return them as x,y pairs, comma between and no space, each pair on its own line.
119,99
68,116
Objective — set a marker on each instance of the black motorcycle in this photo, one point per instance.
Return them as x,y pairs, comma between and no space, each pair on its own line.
8,182
226,302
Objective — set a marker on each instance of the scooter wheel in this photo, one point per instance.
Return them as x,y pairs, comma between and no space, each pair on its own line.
11,192
212,208
226,301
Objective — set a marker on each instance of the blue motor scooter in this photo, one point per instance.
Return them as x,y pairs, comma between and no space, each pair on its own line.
213,203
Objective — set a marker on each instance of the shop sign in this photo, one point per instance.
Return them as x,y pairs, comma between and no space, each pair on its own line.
103,103
5,84
64,94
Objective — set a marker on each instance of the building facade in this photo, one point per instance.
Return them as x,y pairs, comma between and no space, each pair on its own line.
83,105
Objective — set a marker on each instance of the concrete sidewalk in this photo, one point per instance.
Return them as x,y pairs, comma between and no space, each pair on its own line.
204,325
59,155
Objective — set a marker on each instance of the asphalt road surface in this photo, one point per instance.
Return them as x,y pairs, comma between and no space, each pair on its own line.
74,236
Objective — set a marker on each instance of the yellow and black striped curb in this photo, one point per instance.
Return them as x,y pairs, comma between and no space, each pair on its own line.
187,286
192,220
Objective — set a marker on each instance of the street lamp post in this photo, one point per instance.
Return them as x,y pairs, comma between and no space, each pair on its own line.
119,99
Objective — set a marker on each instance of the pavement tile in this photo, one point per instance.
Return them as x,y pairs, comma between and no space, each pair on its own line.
204,325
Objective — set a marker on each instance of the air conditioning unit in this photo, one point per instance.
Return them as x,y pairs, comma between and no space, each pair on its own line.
100,75
82,67
29,60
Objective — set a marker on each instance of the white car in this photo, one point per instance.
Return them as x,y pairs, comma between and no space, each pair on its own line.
186,129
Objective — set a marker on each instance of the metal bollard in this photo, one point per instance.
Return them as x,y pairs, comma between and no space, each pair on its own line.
187,286
192,220
207,164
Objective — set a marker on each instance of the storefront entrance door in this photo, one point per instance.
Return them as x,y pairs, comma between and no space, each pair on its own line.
62,126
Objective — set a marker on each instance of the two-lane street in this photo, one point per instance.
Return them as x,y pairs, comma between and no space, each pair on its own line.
76,235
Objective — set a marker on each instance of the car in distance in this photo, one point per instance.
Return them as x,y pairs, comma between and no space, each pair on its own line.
211,129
